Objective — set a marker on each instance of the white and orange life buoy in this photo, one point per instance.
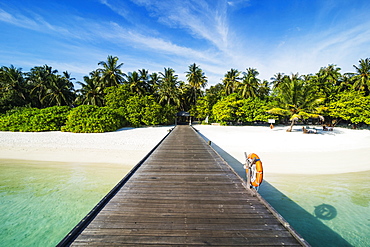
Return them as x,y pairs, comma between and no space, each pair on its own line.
256,172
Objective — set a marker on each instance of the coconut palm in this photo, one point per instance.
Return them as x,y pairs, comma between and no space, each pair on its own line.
153,82
327,81
231,81
362,76
145,83
250,83
168,91
13,87
136,83
92,90
111,74
296,99
345,83
196,80
277,80
196,77
264,89
40,79
60,92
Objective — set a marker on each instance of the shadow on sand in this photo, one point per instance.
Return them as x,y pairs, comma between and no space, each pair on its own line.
307,225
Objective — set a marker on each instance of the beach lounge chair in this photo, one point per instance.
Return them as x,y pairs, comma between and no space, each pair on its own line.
307,131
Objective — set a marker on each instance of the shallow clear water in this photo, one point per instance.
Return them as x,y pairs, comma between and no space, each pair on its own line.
40,202
327,210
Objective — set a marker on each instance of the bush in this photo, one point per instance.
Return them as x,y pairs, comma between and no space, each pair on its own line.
138,109
143,110
228,109
351,106
93,119
50,119
34,120
116,97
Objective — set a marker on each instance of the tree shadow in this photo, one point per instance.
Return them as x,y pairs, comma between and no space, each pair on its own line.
307,225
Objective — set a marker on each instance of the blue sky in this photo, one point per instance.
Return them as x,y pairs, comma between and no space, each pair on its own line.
286,36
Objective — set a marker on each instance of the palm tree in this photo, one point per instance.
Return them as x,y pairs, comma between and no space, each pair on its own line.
345,83
60,92
13,87
168,91
326,80
277,80
111,74
144,75
297,99
40,78
196,77
231,81
135,82
153,82
196,80
264,89
92,91
250,83
362,76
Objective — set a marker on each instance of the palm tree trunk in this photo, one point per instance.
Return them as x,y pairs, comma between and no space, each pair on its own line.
291,126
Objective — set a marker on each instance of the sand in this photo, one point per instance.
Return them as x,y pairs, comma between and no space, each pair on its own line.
327,152
339,151
126,146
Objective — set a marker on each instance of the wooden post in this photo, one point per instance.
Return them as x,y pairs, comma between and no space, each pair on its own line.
247,170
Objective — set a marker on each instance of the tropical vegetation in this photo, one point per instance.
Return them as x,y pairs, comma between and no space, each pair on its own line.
108,98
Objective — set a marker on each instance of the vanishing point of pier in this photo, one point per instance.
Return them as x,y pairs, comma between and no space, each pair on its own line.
183,194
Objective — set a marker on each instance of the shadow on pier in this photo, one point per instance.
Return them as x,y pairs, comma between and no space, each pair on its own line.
313,230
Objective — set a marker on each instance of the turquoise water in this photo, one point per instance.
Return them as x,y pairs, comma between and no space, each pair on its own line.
40,202
327,210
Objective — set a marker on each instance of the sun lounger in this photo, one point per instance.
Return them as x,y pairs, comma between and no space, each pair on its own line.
309,131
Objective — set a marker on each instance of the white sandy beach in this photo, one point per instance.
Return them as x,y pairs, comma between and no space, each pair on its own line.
338,151
328,152
126,146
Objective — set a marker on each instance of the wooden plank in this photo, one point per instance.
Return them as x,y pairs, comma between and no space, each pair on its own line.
185,194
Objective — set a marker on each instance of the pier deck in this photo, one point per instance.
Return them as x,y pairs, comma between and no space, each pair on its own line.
185,194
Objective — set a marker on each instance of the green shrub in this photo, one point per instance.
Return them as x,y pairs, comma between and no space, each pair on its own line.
93,119
35,120
116,97
144,110
138,110
50,119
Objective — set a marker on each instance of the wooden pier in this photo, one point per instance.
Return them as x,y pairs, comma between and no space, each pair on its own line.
183,194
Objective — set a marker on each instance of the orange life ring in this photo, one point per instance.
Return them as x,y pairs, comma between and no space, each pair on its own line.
256,171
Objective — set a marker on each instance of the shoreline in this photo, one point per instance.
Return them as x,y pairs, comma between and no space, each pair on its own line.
125,146
338,151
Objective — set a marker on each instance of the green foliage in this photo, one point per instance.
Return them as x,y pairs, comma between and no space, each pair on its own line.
138,109
202,109
116,97
327,93
93,119
233,108
351,106
228,109
255,109
144,110
34,120
50,119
